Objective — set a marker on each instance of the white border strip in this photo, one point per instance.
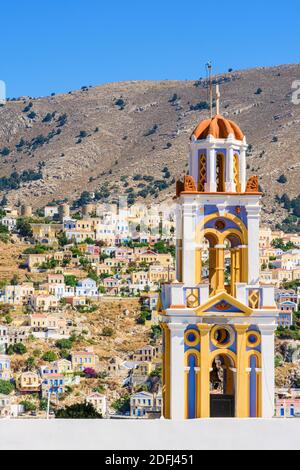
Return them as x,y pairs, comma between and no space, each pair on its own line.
213,434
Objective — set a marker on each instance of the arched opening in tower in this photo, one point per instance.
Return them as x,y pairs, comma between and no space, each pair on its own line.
222,381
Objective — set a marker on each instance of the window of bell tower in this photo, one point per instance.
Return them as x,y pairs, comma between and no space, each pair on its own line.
220,173
202,173
236,175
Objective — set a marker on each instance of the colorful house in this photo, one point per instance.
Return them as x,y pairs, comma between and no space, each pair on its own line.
53,384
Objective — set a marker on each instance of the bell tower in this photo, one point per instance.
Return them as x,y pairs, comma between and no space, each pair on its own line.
218,320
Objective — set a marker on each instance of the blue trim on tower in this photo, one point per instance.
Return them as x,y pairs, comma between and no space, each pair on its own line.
253,387
192,387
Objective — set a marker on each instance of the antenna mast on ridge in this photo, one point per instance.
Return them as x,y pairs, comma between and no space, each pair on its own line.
209,67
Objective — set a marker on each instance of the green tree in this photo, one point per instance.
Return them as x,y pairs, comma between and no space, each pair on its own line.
62,239
5,151
122,405
49,356
18,348
107,331
64,344
78,411
30,362
70,281
282,179
6,387
24,228
28,406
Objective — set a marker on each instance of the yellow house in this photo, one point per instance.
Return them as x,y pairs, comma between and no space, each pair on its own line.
103,269
138,277
281,275
46,233
265,237
115,262
28,382
150,257
38,322
159,273
82,360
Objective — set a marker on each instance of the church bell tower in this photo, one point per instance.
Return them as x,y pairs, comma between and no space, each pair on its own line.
218,320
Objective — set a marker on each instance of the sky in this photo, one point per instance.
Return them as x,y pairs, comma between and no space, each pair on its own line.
54,46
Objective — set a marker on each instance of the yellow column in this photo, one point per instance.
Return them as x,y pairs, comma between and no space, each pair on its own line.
198,388
242,382
220,268
244,263
233,270
198,265
258,394
212,270
238,265
204,370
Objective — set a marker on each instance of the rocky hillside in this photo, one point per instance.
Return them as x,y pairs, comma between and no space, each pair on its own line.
99,138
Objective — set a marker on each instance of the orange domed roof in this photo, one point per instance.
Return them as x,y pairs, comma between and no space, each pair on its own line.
218,127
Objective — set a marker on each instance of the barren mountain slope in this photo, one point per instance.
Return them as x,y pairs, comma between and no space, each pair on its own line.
100,134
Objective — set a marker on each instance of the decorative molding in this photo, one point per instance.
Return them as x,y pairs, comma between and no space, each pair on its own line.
252,184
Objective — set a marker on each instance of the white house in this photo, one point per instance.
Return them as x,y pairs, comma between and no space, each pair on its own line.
87,288
9,222
3,338
99,402
4,367
142,403
50,211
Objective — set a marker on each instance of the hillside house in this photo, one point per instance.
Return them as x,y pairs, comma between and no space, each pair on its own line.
17,295
5,373
56,285
53,384
46,233
145,354
5,404
103,269
18,334
87,288
3,338
28,382
44,303
98,401
286,310
143,403
140,373
117,368
9,222
159,274
82,360
50,211
111,285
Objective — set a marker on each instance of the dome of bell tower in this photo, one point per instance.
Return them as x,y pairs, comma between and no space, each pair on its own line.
218,127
